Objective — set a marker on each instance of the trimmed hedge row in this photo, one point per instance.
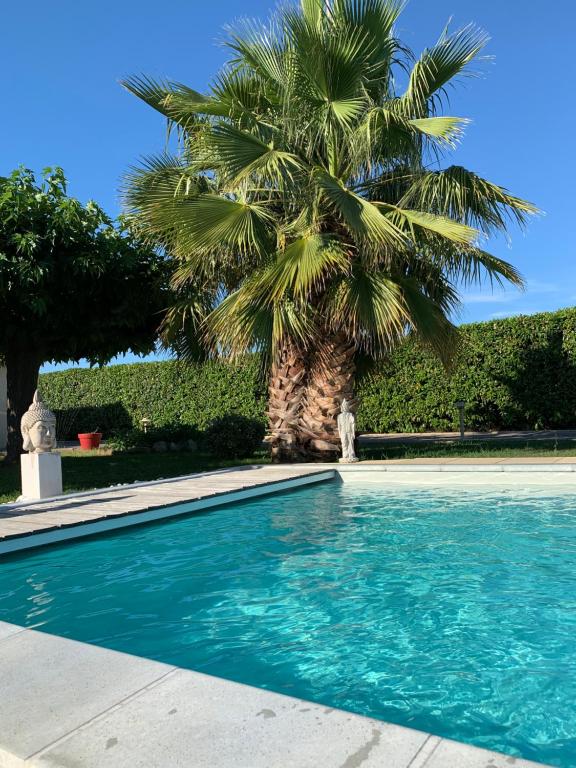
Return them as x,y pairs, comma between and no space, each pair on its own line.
517,373
168,393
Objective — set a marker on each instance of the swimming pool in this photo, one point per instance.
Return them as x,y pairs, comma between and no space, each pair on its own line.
448,610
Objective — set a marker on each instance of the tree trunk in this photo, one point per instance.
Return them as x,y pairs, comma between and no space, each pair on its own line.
22,369
285,397
330,380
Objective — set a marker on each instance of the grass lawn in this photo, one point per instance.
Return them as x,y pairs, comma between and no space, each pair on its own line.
472,449
84,471
98,469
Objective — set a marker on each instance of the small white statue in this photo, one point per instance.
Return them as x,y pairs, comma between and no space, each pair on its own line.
347,431
38,427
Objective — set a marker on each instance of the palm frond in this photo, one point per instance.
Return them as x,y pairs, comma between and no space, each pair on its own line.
360,215
467,197
385,132
181,330
439,65
216,221
259,49
153,188
369,308
248,319
447,130
152,92
158,178
247,96
305,266
414,222
313,12
375,17
207,222
237,154
474,266
430,322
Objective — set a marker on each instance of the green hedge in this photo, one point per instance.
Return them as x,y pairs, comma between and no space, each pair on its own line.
518,373
168,393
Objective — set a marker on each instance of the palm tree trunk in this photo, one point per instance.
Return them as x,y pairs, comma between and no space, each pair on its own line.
285,397
330,380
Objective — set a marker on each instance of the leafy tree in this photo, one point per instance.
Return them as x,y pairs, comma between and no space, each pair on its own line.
72,286
308,207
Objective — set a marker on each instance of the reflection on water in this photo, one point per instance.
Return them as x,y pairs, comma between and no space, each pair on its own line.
451,611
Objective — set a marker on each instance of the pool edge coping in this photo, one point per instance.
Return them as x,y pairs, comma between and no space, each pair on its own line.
303,474
544,464
79,659
162,511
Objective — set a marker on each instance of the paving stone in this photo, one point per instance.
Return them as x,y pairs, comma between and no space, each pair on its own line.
7,630
452,754
51,685
191,720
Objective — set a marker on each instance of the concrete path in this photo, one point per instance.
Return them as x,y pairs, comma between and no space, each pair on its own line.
392,438
72,705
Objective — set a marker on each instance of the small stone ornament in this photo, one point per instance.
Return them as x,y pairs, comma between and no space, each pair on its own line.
38,427
347,431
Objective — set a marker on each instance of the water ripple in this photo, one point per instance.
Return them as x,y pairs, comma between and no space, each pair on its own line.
452,611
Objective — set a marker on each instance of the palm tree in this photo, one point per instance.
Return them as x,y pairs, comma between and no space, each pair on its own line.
307,208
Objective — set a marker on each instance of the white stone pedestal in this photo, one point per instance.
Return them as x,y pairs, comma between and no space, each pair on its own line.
41,475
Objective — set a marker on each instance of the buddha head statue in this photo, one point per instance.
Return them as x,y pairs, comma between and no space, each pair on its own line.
38,427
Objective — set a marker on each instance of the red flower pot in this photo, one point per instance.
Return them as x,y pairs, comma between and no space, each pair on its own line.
89,440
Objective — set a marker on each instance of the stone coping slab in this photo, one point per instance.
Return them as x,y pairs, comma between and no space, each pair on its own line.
510,461
390,438
26,525
29,524
66,703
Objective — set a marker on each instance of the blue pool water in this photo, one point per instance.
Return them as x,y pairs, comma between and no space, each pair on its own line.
449,611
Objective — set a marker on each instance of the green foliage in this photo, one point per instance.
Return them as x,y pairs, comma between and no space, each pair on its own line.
234,436
169,393
72,284
310,186
517,373
176,437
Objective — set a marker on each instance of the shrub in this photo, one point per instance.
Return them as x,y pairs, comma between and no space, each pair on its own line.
517,373
136,438
171,393
234,436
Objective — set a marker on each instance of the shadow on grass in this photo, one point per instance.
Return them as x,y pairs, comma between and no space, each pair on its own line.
85,471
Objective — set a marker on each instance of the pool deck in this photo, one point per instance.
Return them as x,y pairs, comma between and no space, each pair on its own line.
67,704
27,524
510,436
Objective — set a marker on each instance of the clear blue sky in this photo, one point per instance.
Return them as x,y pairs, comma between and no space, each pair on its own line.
61,63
